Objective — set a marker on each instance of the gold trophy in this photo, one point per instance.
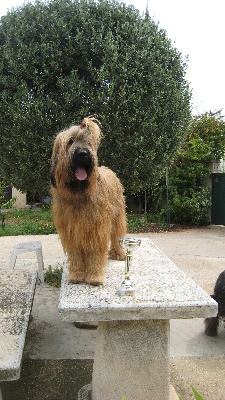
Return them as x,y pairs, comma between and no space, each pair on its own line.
129,244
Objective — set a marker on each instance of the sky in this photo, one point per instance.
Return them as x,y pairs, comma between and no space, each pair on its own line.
197,29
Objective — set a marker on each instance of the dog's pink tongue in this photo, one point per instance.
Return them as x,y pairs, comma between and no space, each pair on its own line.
81,174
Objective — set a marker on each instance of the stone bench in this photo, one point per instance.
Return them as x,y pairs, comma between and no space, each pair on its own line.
132,355
16,298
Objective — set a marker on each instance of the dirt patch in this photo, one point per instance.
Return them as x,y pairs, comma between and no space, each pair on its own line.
157,228
206,374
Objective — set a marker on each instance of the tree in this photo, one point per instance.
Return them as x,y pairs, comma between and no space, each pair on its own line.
63,60
190,195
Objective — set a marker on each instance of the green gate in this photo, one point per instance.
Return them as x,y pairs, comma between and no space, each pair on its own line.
218,199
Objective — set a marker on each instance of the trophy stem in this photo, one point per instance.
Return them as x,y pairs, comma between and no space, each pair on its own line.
128,261
126,288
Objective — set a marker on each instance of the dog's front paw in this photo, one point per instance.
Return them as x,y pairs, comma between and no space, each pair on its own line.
117,254
76,277
95,280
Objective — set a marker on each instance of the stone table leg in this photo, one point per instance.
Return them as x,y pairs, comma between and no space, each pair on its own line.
132,360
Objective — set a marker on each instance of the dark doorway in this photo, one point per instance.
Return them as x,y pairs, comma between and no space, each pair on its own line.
218,199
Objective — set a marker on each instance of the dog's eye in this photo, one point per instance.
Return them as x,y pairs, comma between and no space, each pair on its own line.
70,142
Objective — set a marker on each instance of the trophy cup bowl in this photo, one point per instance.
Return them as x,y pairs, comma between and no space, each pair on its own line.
128,244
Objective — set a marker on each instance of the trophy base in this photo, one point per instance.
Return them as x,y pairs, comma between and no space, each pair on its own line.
126,291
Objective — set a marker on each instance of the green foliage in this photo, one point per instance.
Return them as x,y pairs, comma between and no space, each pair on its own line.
191,207
53,277
3,203
196,394
189,194
210,128
9,203
137,222
62,60
28,222
2,193
144,223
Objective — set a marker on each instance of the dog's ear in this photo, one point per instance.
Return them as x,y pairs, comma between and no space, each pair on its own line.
93,126
52,177
54,160
52,170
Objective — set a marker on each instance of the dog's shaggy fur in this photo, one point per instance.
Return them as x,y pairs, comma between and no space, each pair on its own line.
87,203
211,324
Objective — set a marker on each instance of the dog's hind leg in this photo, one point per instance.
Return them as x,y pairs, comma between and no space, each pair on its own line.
116,252
119,226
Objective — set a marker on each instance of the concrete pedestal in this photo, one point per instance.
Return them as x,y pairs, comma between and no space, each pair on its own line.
125,354
132,348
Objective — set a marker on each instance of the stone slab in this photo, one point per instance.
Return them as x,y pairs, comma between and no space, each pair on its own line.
16,297
162,291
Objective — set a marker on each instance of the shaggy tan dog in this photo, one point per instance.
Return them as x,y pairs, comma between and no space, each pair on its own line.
87,203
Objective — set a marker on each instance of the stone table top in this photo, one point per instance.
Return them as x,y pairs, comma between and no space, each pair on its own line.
162,291
16,297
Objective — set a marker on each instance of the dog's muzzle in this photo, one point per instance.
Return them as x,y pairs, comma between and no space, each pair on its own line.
82,164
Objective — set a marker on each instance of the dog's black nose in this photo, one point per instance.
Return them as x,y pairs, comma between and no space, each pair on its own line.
82,154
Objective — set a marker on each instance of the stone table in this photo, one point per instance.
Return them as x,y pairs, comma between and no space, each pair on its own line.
132,355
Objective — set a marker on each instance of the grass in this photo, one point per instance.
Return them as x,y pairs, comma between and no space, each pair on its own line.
145,223
53,277
137,222
27,222
40,222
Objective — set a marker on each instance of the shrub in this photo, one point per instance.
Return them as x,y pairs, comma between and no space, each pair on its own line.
191,207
